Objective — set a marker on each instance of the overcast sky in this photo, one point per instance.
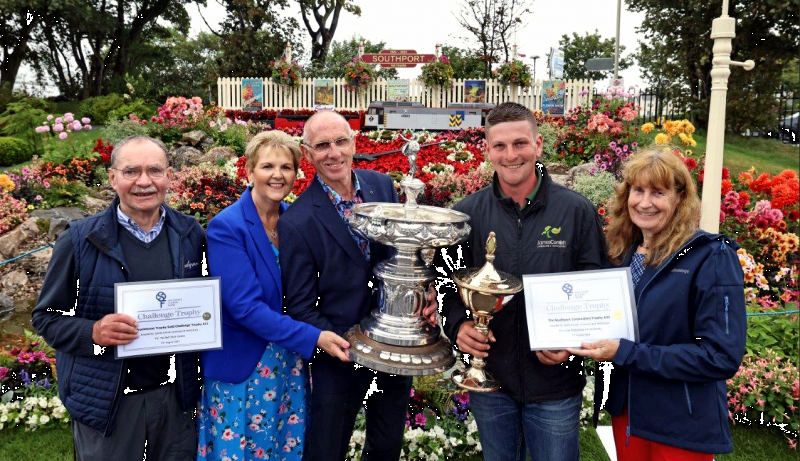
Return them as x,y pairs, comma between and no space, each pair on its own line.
420,24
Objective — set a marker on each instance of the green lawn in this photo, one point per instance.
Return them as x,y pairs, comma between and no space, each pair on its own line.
751,443
767,155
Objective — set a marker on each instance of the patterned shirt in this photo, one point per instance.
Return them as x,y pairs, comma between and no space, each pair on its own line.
345,210
145,236
637,268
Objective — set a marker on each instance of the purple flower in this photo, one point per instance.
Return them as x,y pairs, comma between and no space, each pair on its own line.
26,378
420,419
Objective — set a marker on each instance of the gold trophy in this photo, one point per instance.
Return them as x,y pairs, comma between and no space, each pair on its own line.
484,292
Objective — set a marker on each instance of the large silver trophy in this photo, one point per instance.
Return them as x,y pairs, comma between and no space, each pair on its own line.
484,290
395,338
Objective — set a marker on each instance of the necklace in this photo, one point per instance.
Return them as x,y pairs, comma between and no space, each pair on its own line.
272,232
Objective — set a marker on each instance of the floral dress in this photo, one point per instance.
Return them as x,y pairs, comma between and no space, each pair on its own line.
263,417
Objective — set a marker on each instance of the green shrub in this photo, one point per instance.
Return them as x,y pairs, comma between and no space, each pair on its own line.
14,151
117,130
549,134
63,193
598,188
779,333
138,107
235,137
98,107
21,118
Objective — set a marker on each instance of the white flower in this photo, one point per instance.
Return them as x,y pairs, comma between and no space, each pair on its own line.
44,419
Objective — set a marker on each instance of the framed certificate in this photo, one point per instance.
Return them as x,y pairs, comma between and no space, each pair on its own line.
568,308
180,315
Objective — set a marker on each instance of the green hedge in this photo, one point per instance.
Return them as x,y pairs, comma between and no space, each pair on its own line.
14,151
98,107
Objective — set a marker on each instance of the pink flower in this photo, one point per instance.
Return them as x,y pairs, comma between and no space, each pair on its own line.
420,419
76,126
3,372
50,117
42,129
294,419
62,136
85,120
59,120
257,418
227,434
253,427
25,357
282,409
213,411
259,453
58,127
286,449
68,117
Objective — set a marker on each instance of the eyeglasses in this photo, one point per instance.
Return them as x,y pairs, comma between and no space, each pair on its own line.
132,174
326,146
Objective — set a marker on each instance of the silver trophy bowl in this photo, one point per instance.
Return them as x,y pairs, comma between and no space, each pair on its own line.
395,338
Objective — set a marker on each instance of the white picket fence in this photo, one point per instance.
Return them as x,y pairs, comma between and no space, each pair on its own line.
229,91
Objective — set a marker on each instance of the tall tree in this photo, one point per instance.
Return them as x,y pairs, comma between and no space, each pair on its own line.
580,48
18,20
677,54
254,33
343,52
491,24
322,11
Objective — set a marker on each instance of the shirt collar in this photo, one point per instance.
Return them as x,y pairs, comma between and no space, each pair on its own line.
134,228
335,197
532,194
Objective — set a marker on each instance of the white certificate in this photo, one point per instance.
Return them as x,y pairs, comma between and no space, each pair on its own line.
569,308
179,315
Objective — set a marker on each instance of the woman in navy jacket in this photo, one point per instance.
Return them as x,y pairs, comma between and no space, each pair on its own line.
667,393
254,394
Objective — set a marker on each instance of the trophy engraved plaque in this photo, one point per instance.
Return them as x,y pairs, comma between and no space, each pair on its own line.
395,338
484,291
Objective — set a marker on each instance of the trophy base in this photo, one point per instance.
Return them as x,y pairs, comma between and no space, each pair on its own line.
475,380
400,360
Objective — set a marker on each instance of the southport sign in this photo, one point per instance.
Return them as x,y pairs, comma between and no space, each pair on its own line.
397,58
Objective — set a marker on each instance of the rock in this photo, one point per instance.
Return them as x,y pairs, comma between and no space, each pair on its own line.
576,171
57,226
36,263
558,178
10,242
556,168
68,213
95,205
216,153
180,157
206,143
6,304
194,137
14,280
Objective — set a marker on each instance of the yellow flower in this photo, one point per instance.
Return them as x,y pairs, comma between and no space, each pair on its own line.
687,140
662,138
648,127
688,152
688,128
30,207
6,183
672,127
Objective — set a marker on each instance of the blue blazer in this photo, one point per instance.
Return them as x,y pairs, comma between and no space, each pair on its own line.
325,277
239,252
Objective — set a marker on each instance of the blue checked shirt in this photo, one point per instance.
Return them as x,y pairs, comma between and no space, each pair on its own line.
345,210
146,237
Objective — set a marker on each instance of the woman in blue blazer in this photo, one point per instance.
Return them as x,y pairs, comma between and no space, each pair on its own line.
254,394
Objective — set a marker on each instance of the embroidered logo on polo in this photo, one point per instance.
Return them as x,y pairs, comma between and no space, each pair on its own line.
549,232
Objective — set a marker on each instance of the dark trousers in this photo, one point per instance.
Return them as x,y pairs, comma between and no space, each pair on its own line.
153,418
333,416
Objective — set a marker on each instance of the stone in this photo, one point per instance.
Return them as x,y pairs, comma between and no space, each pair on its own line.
36,263
57,226
576,171
556,168
10,242
68,213
183,156
558,178
216,153
95,205
206,143
194,137
6,304
14,280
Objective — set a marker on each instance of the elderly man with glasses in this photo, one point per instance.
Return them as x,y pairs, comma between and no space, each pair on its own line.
120,408
328,282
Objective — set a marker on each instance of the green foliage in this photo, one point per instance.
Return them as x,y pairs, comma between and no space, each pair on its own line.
598,188
14,151
286,73
578,49
63,193
117,130
235,137
677,55
779,333
21,118
438,74
466,65
343,52
98,107
549,132
138,107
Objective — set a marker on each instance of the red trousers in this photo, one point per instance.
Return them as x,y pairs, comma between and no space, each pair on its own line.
639,449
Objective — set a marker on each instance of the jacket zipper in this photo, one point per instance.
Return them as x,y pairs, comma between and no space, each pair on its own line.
688,398
727,323
116,395
520,358
638,302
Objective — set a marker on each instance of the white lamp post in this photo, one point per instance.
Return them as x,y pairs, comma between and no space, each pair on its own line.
723,30
534,66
